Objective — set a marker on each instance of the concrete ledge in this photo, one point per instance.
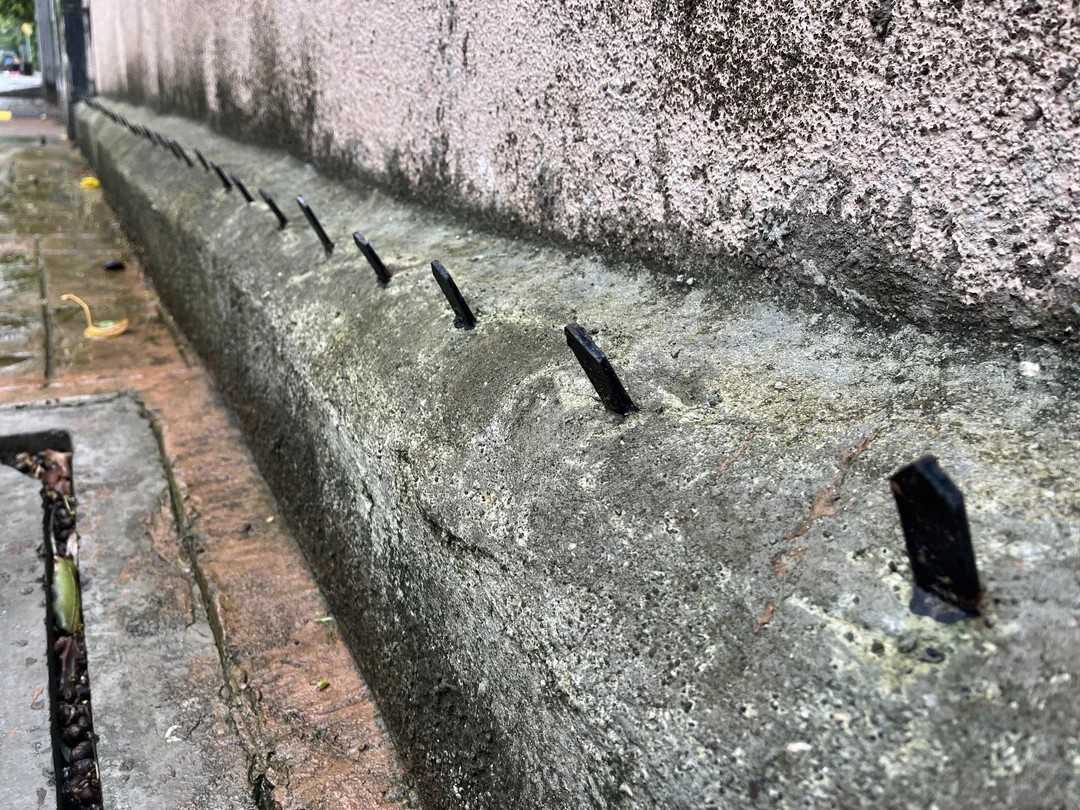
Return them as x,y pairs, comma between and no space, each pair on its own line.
704,604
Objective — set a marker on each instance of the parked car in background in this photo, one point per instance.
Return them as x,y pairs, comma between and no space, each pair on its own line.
9,61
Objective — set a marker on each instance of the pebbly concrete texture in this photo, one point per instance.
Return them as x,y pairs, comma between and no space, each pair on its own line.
164,734
702,605
913,160
25,741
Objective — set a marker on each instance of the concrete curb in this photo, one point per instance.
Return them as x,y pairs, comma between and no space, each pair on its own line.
704,604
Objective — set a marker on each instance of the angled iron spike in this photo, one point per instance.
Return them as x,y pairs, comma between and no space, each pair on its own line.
381,273
936,534
184,155
316,226
464,319
598,370
172,148
243,189
282,221
202,160
221,174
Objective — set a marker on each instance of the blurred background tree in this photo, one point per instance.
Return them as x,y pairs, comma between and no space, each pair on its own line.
13,13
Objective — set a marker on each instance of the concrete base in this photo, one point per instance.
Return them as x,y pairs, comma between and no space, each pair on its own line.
704,604
164,738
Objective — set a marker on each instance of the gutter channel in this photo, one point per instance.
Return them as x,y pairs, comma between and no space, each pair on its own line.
47,457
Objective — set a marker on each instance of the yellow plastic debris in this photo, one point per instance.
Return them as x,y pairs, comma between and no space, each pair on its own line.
104,329
90,182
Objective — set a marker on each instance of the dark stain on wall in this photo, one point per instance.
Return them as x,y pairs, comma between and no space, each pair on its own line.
758,74
748,66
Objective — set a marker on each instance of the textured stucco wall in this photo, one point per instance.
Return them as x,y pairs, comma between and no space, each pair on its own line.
915,159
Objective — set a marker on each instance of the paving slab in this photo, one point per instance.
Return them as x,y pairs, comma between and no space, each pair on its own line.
164,733
25,736
22,328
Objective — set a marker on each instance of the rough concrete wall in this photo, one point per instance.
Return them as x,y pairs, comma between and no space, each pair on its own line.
702,605
913,159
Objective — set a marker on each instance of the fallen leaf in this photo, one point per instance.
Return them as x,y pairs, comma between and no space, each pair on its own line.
322,685
766,616
90,182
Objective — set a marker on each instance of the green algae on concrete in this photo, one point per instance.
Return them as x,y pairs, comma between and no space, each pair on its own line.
704,604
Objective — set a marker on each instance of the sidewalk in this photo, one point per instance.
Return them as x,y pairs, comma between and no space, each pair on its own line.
308,731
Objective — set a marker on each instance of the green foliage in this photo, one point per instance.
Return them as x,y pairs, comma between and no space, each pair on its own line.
13,13
19,10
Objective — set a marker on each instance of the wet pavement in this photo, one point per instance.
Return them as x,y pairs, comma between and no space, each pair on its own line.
292,701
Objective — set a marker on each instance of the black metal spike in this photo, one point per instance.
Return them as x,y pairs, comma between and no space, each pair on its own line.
936,534
381,273
243,189
221,174
172,148
599,370
202,160
313,221
183,153
282,220
464,318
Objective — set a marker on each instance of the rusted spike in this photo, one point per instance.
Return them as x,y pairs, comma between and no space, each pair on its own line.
243,189
464,319
181,151
282,221
936,533
221,174
316,226
599,370
364,246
